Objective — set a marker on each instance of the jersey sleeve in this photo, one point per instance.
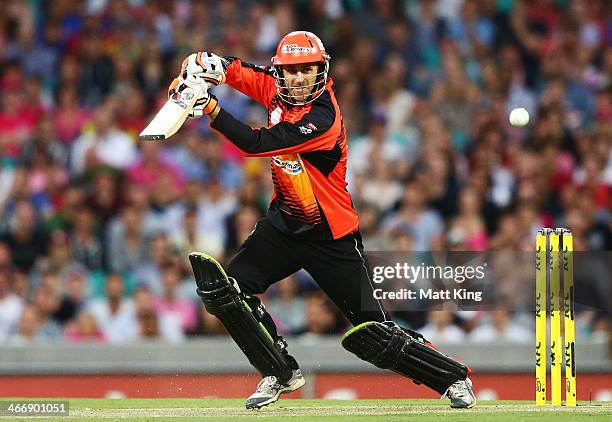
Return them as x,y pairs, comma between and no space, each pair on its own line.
316,130
254,81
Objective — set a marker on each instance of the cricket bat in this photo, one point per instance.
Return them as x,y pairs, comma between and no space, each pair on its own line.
172,115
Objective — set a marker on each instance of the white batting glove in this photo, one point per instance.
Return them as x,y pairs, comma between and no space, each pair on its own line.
206,103
207,66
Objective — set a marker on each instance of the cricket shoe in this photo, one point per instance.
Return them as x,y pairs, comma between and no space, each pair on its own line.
269,389
461,394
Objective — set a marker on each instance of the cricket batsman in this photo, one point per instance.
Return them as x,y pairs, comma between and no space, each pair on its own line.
310,224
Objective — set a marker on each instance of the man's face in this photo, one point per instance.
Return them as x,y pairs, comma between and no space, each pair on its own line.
114,287
300,79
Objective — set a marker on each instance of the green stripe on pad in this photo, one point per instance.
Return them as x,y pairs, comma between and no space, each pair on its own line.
266,331
358,327
211,259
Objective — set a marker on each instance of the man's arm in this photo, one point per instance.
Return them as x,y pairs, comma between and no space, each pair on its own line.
314,131
253,81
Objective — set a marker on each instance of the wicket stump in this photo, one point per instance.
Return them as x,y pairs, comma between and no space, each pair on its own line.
554,271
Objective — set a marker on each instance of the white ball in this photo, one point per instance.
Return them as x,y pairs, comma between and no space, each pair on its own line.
519,117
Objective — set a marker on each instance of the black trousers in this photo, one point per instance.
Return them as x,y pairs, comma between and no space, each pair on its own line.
339,267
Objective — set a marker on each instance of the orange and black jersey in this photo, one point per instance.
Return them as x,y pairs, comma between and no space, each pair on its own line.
307,146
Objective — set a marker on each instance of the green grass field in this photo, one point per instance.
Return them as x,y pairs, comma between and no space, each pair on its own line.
326,410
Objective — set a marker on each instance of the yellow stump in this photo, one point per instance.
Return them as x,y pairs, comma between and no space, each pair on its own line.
540,314
568,320
556,356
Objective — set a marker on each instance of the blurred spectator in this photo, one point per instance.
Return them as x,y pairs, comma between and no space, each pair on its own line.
27,327
42,55
84,243
132,118
241,225
437,172
24,236
169,305
322,317
469,224
17,120
67,206
501,327
506,236
126,247
6,261
104,196
115,315
222,163
21,286
440,328
151,168
96,76
75,295
47,301
11,306
190,237
368,225
83,329
287,307
150,325
161,253
59,260
424,223
105,145
474,28
214,205
381,190
454,98
188,157
138,198
46,180
374,147
69,118
593,325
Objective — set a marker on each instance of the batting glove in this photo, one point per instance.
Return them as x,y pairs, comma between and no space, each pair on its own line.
206,104
207,66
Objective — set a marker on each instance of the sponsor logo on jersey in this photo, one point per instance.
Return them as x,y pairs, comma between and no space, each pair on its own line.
292,167
308,128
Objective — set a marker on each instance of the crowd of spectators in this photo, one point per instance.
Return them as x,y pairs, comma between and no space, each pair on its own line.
96,226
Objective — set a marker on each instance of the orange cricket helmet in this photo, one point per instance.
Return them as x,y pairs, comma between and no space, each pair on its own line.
300,47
